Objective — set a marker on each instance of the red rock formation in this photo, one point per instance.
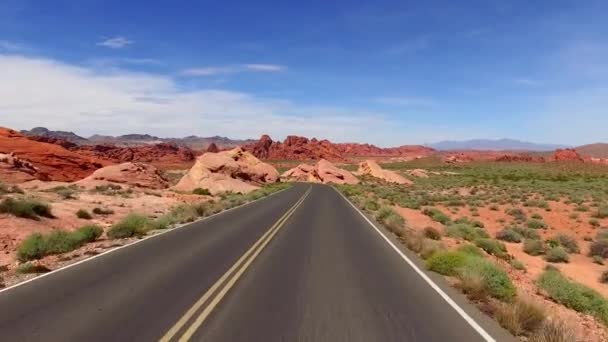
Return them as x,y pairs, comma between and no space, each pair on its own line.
158,154
301,148
53,160
567,155
134,174
15,170
322,172
52,140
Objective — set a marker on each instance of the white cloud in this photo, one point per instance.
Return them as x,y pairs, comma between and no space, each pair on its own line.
232,69
406,101
87,100
265,67
115,42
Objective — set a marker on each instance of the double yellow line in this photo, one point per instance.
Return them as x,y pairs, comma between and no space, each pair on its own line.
216,292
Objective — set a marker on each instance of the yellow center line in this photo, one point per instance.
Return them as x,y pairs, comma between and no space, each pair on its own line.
261,243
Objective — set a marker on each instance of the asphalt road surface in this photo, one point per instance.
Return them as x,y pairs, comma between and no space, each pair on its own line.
300,265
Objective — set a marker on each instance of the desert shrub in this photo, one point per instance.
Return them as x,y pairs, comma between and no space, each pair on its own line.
133,224
581,208
599,248
598,260
533,247
494,207
569,243
448,262
430,247
66,193
553,331
184,213
509,235
89,233
517,213
102,211
60,241
518,265
83,214
495,279
594,223
557,254
527,233
574,295
202,192
602,234
29,267
390,219
471,249
372,205
536,224
436,215
432,233
604,277
465,231
25,208
536,216
602,211
33,247
492,247
521,318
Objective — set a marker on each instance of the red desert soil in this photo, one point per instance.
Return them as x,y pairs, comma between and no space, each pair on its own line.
301,148
52,160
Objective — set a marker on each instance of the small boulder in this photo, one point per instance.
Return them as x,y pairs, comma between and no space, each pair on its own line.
371,168
134,174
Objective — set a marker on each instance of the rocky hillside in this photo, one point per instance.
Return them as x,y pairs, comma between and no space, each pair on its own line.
599,150
53,161
301,148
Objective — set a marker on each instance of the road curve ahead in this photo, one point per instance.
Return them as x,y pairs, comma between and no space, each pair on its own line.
301,265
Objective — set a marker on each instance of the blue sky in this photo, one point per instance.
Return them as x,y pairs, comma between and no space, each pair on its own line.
387,72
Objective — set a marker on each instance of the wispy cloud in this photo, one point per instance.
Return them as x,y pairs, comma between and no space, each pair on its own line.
527,82
115,42
10,46
231,69
406,101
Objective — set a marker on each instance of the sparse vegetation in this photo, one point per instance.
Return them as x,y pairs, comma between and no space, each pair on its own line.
432,233
102,211
574,295
38,245
25,208
83,214
133,224
492,247
521,318
533,247
201,191
436,215
557,254
509,235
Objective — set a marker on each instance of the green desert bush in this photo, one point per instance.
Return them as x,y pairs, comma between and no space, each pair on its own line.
526,233
432,233
448,262
102,211
574,295
390,219
471,249
518,265
594,223
533,247
602,211
465,231
201,191
436,215
604,277
83,214
495,279
536,224
133,224
38,245
509,235
521,318
598,260
430,247
599,248
569,243
492,247
557,254
25,208
29,267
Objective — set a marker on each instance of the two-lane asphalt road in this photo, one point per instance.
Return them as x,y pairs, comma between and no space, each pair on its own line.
301,265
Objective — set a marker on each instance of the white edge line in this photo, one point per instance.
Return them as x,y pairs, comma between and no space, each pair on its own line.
426,278
160,233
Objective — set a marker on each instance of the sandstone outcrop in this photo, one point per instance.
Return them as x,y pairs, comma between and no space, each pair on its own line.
235,170
132,174
371,168
322,172
16,170
567,155
53,162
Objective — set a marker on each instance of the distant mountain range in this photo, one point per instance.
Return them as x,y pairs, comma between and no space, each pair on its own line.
192,141
598,150
493,145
